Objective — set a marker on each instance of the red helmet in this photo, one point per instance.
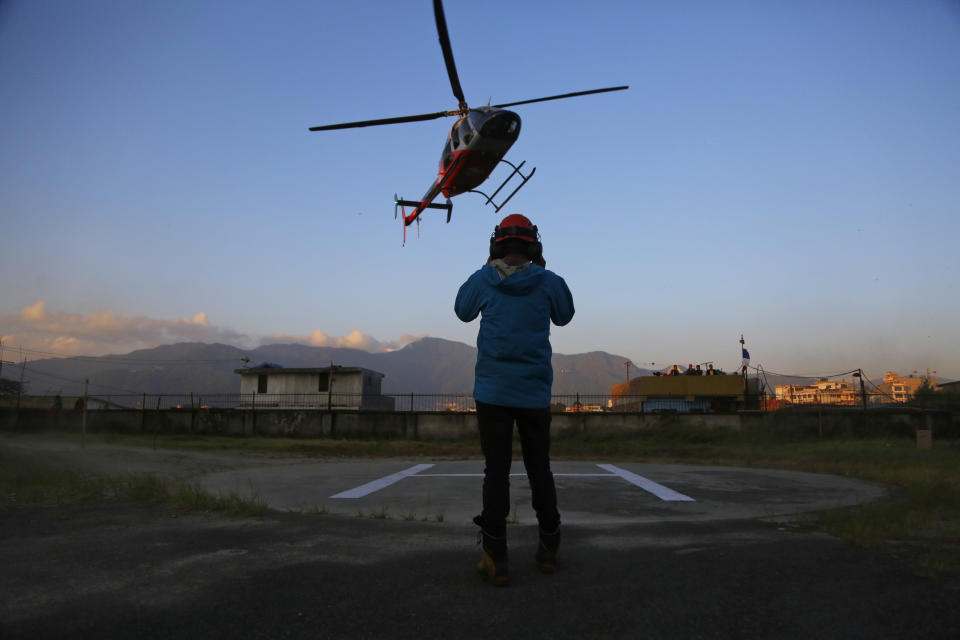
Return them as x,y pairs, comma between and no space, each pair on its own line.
515,226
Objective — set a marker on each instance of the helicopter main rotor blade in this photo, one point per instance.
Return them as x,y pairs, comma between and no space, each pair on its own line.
371,123
565,95
448,54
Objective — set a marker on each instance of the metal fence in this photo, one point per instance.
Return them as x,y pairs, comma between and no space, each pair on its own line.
410,402
434,402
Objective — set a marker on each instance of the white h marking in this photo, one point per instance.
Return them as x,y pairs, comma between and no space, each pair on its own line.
664,493
380,483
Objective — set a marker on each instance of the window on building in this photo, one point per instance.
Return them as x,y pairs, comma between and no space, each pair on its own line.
324,384
261,384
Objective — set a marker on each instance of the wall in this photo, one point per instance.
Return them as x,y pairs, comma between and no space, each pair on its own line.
442,426
343,382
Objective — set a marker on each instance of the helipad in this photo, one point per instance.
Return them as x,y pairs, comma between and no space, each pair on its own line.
587,491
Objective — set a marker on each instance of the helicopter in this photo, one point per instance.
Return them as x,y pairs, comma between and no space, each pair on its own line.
476,144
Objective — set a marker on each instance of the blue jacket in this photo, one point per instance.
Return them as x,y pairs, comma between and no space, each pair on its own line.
513,345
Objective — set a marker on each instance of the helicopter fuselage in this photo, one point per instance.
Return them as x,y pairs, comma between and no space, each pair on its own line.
476,145
477,142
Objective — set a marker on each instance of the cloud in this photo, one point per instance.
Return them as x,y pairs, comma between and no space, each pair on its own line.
101,332
42,333
356,339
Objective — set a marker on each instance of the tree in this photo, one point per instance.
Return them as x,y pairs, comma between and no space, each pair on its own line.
926,395
9,387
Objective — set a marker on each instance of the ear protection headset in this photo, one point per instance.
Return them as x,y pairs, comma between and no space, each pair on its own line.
530,236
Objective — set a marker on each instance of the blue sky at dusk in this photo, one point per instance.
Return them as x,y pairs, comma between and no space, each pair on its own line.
789,171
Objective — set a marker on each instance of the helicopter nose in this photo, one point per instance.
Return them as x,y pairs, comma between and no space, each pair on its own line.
502,126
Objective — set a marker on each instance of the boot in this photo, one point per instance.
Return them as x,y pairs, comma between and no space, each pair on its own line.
493,560
547,550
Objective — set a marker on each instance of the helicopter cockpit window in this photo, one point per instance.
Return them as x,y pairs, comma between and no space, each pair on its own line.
455,137
465,127
502,127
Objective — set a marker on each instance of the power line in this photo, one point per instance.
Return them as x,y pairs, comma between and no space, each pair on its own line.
797,375
78,382
112,359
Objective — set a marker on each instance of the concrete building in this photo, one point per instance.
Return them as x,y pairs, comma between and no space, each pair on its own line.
269,387
837,392
681,394
949,387
903,388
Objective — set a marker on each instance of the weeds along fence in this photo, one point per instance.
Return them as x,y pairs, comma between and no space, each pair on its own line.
409,402
439,416
455,402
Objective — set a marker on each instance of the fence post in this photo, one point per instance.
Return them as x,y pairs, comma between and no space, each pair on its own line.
863,390
411,402
330,388
83,420
23,367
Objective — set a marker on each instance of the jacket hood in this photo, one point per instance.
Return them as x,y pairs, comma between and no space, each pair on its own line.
512,280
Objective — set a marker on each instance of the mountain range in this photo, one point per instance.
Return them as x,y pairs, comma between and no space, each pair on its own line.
429,365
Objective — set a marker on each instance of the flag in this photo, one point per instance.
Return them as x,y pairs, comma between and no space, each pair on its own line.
746,359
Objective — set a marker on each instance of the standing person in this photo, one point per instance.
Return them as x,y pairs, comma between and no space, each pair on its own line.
56,408
517,299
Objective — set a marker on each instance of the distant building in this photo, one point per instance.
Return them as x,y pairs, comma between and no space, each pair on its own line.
681,394
903,388
949,387
821,392
266,387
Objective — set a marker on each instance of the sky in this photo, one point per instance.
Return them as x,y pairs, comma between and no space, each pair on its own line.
788,171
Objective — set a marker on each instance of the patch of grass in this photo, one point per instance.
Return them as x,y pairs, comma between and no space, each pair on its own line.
310,447
190,497
380,514
31,480
146,488
314,510
38,481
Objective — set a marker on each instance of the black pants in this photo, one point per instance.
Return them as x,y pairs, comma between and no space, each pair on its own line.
496,439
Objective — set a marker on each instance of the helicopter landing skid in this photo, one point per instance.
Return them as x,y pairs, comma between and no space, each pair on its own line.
516,171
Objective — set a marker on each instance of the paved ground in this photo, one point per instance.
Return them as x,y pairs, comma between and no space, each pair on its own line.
649,551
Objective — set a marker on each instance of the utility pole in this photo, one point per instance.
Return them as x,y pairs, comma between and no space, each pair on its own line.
863,390
627,365
23,367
